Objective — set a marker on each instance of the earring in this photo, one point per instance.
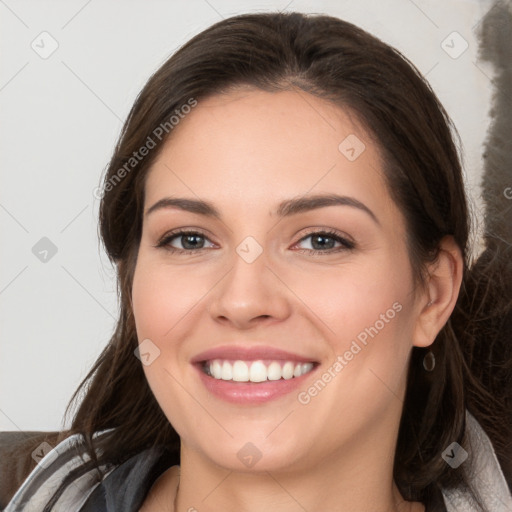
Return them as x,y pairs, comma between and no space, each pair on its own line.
429,361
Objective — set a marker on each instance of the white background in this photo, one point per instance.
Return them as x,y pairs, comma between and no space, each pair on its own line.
60,120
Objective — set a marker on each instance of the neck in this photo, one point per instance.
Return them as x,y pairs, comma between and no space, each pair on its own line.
341,481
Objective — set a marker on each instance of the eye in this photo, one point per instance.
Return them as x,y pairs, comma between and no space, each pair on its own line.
322,242
325,242
190,241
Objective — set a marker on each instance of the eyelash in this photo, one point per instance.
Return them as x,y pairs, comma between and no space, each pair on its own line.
328,233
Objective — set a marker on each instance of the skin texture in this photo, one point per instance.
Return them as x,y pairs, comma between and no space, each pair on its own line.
245,152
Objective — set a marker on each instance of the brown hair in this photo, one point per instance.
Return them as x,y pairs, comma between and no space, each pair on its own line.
337,61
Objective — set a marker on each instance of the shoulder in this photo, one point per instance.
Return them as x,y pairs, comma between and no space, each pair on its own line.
19,455
485,477
33,468
127,487
65,478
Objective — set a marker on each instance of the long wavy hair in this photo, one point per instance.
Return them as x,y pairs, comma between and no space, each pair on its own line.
341,63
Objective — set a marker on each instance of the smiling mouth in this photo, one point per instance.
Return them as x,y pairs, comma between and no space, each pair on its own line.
255,371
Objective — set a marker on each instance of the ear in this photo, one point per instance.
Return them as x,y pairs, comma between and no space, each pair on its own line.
436,304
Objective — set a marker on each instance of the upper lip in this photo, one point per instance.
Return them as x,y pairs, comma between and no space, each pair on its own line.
245,353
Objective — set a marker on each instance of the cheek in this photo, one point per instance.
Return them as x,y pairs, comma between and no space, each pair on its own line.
361,301
157,309
369,337
162,297
148,299
368,313
161,300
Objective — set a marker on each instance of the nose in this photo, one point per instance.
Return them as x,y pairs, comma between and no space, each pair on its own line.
250,294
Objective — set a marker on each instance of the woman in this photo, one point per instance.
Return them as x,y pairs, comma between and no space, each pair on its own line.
286,211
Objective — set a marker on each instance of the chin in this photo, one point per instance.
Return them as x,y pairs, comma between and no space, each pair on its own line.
252,453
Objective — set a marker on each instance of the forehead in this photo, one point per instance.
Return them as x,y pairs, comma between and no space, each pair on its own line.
254,148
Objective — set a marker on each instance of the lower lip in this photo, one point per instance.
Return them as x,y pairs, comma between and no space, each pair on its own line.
251,392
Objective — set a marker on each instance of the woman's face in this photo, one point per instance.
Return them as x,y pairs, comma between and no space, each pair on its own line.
247,286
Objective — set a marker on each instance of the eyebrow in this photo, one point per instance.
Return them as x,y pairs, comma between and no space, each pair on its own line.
286,208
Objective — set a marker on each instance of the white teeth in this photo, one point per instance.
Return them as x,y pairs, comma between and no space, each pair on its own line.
227,371
240,371
256,371
216,369
305,368
288,370
274,371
